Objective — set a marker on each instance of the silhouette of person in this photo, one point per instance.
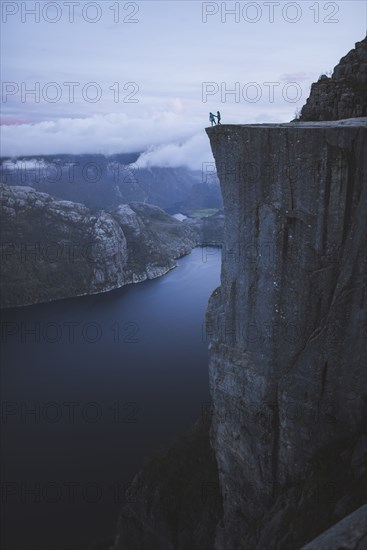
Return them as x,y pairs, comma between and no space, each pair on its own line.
212,118
219,117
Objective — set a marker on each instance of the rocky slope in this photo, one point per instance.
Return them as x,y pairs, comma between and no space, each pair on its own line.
174,502
344,94
154,240
287,326
52,249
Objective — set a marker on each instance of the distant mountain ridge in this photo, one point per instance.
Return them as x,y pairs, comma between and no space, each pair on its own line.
100,181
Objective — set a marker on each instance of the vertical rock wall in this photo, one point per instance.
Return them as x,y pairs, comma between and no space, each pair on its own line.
287,353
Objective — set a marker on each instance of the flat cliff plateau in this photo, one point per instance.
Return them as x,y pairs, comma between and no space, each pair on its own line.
287,330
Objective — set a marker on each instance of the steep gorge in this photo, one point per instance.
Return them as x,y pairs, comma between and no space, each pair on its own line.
287,333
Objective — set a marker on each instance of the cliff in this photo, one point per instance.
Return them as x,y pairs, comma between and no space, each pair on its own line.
287,353
173,503
344,94
52,249
154,240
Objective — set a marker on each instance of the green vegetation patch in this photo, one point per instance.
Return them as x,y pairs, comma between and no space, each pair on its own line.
203,212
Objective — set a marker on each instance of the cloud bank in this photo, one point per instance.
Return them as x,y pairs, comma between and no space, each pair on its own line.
191,153
168,139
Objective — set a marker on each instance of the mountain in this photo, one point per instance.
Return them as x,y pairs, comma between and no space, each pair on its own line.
52,249
287,352
104,182
343,95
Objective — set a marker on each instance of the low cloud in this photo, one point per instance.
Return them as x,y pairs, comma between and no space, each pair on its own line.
191,153
168,138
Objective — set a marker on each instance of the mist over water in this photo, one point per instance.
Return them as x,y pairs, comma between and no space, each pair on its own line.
91,386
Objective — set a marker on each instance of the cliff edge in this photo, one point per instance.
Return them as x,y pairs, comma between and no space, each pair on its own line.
287,349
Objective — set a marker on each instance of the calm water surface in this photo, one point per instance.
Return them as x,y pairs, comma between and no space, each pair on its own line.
90,387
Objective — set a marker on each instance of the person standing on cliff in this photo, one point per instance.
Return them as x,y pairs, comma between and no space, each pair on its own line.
219,118
212,118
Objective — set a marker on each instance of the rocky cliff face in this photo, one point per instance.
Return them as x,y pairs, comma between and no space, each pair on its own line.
173,503
344,94
154,240
287,326
52,249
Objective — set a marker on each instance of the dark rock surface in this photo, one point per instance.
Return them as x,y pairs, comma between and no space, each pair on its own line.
174,502
348,534
52,249
154,240
344,95
287,326
212,229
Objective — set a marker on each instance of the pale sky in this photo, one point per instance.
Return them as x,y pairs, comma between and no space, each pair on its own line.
146,74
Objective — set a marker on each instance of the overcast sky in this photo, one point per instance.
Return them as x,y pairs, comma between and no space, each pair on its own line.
113,76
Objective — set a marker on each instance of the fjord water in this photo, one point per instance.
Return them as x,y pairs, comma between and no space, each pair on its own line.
91,386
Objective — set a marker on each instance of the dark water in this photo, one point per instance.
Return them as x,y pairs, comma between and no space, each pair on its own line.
99,384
